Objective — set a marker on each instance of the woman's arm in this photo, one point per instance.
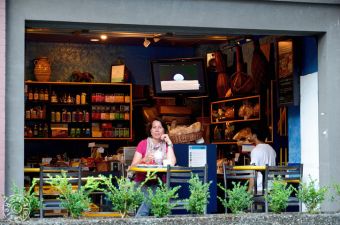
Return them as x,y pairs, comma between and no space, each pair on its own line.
170,155
137,159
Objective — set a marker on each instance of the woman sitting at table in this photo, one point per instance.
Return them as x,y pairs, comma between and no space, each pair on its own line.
153,150
263,154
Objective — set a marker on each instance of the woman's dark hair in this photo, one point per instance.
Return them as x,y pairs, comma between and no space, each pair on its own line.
260,131
149,126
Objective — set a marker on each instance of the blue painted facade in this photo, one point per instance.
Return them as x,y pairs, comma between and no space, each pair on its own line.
309,64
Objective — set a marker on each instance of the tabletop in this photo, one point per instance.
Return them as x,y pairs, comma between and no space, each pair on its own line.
162,169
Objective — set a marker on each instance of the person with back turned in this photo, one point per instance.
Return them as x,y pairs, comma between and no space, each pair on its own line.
263,154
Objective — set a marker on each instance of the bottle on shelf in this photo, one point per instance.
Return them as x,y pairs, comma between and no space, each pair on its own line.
41,95
36,95
35,131
54,98
87,116
83,98
57,117
30,94
45,131
46,95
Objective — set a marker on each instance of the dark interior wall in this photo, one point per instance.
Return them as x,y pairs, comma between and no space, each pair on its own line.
98,58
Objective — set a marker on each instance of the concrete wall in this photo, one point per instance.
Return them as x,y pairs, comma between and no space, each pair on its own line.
248,17
2,94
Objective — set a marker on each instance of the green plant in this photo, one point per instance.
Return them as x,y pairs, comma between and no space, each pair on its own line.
76,202
238,199
127,195
159,200
337,189
311,196
20,204
199,195
278,195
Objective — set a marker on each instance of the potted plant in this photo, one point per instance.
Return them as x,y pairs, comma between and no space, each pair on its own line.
311,196
76,202
199,195
127,195
278,195
22,203
239,199
161,200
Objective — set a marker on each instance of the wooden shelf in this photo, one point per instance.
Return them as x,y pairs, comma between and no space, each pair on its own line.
236,121
73,89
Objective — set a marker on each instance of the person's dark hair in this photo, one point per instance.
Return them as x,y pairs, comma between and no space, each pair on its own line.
260,131
149,126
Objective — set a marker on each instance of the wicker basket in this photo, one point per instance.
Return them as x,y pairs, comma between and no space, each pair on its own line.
185,138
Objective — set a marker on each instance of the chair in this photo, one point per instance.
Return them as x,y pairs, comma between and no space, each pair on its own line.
48,196
291,174
179,175
229,175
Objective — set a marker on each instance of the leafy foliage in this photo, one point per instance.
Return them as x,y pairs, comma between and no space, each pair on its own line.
239,199
127,195
311,196
278,195
76,202
21,203
199,195
160,199
337,189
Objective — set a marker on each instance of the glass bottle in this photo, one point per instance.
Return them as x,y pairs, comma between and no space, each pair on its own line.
41,95
57,117
30,95
36,95
35,131
46,95
45,132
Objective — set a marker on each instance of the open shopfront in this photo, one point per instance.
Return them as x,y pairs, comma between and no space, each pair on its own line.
294,113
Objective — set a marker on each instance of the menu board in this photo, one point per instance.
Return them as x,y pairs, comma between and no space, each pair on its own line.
197,155
285,73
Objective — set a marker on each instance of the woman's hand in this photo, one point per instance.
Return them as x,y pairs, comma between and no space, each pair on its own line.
166,138
148,159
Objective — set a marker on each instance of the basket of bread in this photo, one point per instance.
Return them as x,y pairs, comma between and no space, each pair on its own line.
185,134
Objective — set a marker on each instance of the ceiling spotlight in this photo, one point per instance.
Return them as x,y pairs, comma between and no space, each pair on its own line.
103,37
94,39
156,39
146,43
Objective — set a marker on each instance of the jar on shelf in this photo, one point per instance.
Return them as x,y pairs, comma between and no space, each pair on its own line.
42,69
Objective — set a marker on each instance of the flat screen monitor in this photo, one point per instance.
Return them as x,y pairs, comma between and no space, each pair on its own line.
179,77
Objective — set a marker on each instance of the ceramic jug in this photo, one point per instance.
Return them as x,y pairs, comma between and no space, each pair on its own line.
42,69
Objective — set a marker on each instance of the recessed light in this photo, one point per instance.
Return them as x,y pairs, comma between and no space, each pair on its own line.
94,39
103,36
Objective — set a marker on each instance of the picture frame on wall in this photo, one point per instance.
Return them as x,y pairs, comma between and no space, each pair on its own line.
117,73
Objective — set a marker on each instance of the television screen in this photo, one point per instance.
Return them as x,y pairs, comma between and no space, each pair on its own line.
185,76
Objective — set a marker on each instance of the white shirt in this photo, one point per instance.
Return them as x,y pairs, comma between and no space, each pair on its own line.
262,155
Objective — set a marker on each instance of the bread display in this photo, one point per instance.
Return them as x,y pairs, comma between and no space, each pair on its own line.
242,134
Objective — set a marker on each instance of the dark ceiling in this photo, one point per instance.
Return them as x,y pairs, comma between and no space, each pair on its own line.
124,37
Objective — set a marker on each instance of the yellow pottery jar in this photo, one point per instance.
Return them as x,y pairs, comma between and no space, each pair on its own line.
42,69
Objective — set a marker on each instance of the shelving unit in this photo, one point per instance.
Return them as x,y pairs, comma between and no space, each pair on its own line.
231,115
78,111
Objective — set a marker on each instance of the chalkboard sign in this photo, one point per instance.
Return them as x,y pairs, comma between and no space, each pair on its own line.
286,82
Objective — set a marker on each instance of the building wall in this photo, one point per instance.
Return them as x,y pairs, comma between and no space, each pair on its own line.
2,94
241,17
